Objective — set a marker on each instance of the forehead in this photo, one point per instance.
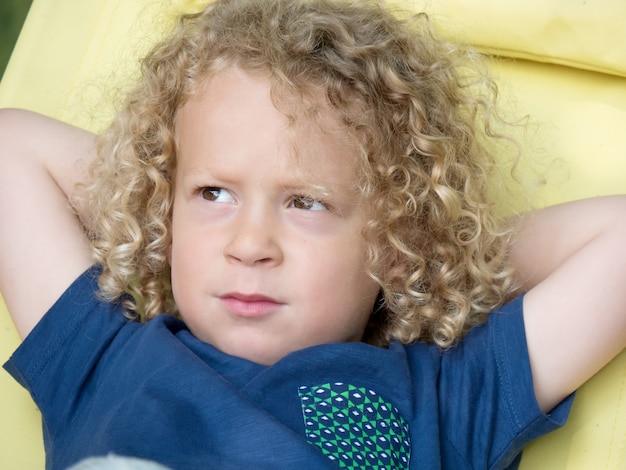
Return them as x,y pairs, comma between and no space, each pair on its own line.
236,112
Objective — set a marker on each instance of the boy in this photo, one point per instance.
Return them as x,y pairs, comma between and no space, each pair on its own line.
271,191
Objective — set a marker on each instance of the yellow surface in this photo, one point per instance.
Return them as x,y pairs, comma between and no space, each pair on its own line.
585,34
71,50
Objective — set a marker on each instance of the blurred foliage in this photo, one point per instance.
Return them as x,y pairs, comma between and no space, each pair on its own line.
12,15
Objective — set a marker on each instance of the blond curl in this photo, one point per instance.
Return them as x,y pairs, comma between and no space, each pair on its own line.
420,108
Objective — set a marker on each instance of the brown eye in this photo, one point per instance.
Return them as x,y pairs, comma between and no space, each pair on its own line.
307,203
215,194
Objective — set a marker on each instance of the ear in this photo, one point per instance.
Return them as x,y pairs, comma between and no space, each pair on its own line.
397,269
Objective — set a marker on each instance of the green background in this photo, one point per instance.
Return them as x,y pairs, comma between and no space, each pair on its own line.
12,14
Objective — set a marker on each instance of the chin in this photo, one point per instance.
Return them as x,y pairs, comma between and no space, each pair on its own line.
255,352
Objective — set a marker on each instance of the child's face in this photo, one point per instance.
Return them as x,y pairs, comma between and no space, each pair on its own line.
260,265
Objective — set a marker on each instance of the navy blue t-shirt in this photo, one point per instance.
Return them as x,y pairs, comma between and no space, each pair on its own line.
105,384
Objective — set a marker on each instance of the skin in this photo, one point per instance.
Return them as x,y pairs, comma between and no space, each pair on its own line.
571,260
267,255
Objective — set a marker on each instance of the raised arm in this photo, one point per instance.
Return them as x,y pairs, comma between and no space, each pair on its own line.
571,259
42,246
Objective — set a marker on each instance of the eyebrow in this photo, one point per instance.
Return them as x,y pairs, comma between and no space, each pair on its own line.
292,184
198,170
317,191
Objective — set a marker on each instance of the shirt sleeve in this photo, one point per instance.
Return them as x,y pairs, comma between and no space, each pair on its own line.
58,355
488,406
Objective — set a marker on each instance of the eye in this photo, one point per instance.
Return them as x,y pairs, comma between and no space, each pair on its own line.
308,203
215,194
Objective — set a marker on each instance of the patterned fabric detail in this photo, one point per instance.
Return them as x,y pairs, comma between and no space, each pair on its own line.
354,427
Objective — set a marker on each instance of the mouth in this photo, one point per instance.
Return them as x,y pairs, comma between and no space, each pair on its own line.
250,305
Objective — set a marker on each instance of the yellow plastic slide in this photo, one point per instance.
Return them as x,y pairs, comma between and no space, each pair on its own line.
562,62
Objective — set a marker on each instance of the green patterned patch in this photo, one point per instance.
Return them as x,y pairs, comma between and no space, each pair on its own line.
355,427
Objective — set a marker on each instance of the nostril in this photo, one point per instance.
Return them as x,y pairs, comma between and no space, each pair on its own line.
253,252
254,237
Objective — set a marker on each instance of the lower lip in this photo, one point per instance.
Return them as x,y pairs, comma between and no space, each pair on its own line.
250,309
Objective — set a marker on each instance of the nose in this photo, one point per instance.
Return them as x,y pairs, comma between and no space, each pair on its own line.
255,238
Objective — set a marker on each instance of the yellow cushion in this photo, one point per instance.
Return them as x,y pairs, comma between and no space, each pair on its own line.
21,442
583,34
70,50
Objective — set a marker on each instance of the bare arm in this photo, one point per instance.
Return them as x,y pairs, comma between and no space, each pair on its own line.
42,246
571,259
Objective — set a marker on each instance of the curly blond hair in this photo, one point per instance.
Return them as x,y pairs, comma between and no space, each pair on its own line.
424,121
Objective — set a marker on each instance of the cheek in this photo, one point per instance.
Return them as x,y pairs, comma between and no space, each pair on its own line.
186,268
348,284
189,259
